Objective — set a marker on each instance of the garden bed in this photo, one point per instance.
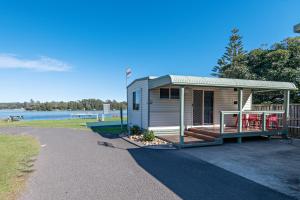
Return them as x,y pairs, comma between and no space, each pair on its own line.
146,138
156,144
139,138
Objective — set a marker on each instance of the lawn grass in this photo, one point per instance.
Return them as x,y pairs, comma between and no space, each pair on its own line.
16,153
66,123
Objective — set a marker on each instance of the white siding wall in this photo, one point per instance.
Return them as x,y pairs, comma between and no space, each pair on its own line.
224,101
165,112
138,117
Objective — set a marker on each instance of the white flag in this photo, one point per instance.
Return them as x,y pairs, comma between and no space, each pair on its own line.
128,72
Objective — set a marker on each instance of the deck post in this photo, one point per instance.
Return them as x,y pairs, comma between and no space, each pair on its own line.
264,118
221,123
286,116
181,117
240,115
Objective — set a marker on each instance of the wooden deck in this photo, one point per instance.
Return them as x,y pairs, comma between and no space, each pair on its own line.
174,138
188,141
228,129
204,136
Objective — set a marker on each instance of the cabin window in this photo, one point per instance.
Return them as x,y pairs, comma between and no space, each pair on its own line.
174,93
164,93
136,95
235,89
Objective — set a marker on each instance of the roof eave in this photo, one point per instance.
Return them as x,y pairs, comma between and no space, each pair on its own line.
160,82
141,79
170,80
231,86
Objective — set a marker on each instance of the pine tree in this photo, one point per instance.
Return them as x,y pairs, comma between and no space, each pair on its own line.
232,63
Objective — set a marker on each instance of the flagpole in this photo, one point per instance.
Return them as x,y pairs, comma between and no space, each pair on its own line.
127,74
126,79
121,110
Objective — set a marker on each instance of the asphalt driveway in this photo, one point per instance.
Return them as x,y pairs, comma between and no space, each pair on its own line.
274,163
84,165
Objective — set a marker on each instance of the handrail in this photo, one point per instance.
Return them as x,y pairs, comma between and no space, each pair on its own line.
240,113
253,112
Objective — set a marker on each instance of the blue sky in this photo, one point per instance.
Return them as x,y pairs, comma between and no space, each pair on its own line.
69,50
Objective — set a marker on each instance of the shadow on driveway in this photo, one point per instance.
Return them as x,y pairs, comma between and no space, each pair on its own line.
192,178
104,133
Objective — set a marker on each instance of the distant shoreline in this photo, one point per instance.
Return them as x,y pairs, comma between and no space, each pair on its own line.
52,115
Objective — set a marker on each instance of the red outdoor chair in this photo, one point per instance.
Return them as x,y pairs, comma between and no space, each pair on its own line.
244,120
254,119
272,119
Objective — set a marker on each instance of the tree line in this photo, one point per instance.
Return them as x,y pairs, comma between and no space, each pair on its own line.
84,104
278,62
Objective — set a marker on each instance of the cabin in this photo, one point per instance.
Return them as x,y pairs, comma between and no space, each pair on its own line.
200,111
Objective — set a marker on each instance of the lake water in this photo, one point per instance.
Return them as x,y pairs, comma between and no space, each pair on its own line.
52,115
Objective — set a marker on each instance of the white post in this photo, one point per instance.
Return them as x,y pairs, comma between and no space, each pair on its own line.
221,122
286,116
181,117
126,80
240,115
264,120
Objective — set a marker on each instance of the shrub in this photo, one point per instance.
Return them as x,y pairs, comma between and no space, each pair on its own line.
135,130
148,136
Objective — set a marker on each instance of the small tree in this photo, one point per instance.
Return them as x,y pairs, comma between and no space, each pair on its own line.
233,62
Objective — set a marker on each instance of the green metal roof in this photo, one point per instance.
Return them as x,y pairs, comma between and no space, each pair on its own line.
142,79
297,28
218,82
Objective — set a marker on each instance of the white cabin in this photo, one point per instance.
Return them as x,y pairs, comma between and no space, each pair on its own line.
154,103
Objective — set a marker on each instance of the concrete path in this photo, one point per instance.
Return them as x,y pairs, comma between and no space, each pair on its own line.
274,163
84,165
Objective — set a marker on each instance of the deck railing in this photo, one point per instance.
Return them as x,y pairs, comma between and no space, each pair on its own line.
262,117
294,120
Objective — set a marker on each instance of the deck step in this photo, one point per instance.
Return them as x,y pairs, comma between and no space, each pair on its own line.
199,136
204,132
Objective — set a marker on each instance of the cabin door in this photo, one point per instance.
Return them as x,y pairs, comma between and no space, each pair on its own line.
208,107
203,107
197,107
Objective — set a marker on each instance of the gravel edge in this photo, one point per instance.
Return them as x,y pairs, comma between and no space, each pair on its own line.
158,147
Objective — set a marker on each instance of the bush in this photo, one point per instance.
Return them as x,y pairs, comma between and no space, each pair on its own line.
135,130
148,136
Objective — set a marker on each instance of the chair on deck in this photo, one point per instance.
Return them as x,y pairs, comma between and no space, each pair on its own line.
272,119
244,120
254,119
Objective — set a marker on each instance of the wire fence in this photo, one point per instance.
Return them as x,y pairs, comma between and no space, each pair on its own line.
294,122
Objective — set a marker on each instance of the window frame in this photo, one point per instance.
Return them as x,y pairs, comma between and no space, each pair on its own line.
169,96
160,93
136,100
174,96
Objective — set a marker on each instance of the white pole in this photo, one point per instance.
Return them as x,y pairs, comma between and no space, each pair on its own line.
126,79
286,116
181,117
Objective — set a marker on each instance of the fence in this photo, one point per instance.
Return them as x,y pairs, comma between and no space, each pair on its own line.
294,123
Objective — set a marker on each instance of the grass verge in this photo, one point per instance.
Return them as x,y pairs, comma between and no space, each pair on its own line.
65,123
16,161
